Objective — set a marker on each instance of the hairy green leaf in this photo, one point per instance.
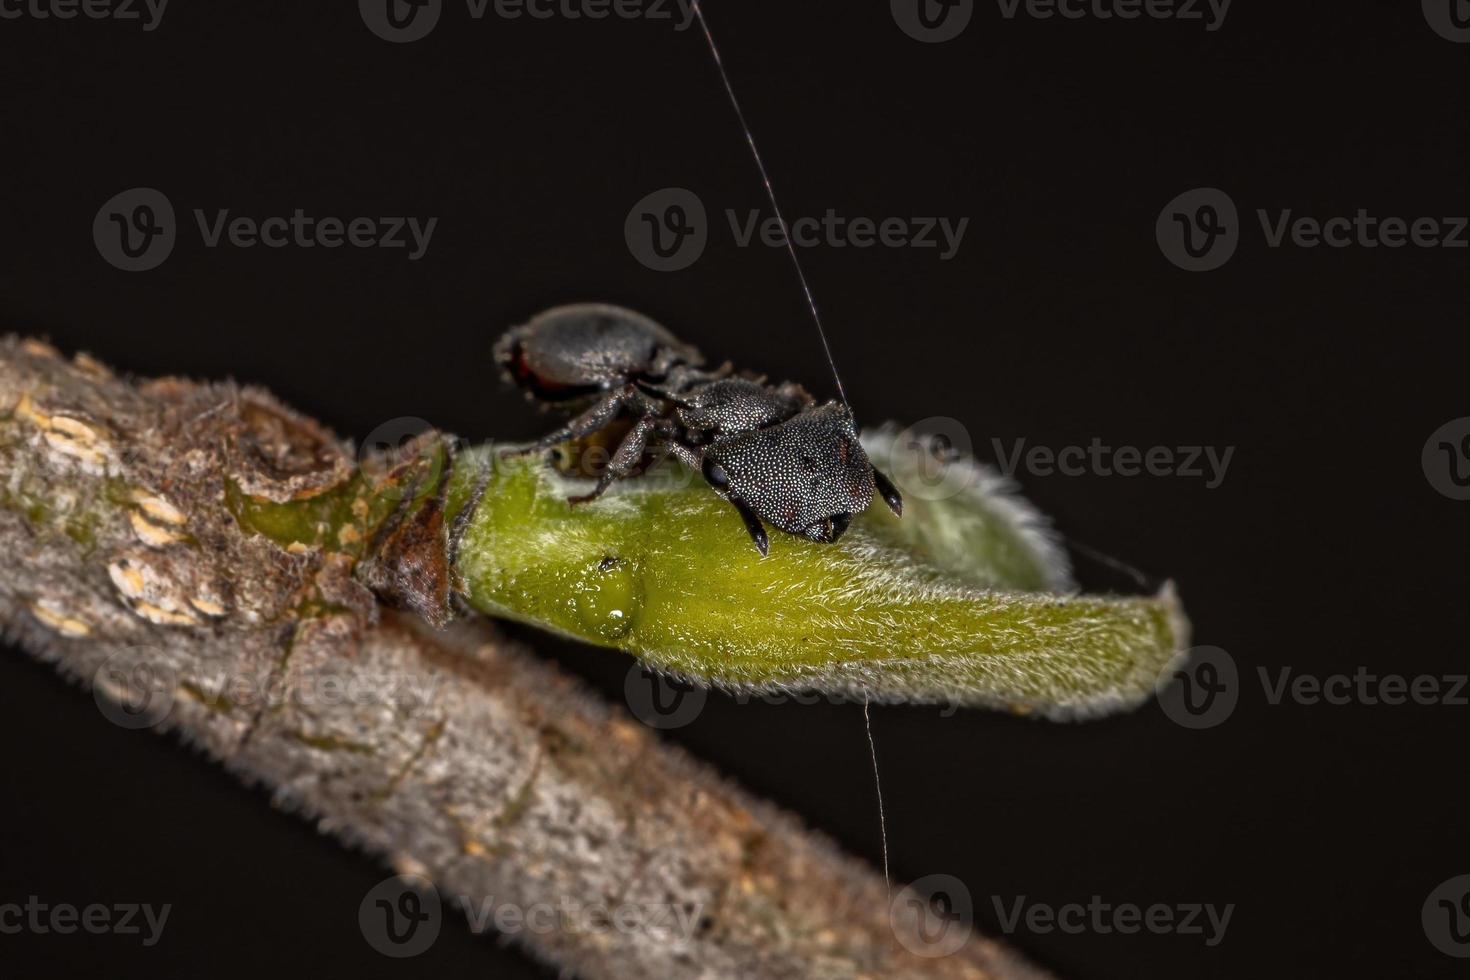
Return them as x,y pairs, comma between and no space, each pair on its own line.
964,600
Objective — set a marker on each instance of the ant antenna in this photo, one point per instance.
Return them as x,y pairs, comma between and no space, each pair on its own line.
770,193
811,303
878,785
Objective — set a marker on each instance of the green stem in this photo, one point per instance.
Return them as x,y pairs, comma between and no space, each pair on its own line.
965,600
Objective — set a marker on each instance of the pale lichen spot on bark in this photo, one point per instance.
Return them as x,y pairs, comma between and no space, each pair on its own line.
151,534
50,613
157,508
149,593
164,617
67,436
127,579
155,520
208,605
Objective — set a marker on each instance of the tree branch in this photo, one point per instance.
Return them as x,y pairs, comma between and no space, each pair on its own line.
451,753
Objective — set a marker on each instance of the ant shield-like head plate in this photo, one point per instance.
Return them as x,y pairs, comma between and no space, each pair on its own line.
807,475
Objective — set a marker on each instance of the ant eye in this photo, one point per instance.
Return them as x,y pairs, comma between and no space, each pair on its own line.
716,475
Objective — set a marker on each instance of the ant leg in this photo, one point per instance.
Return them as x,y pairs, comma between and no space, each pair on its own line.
687,455
594,418
888,491
630,450
664,431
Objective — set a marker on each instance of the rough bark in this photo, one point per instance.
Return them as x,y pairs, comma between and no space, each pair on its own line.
452,753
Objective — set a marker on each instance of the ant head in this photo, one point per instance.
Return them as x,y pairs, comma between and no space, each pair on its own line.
807,475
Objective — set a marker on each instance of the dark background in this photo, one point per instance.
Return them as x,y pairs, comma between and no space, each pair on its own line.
1059,320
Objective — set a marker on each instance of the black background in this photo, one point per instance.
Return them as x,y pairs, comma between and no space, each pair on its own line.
1324,549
